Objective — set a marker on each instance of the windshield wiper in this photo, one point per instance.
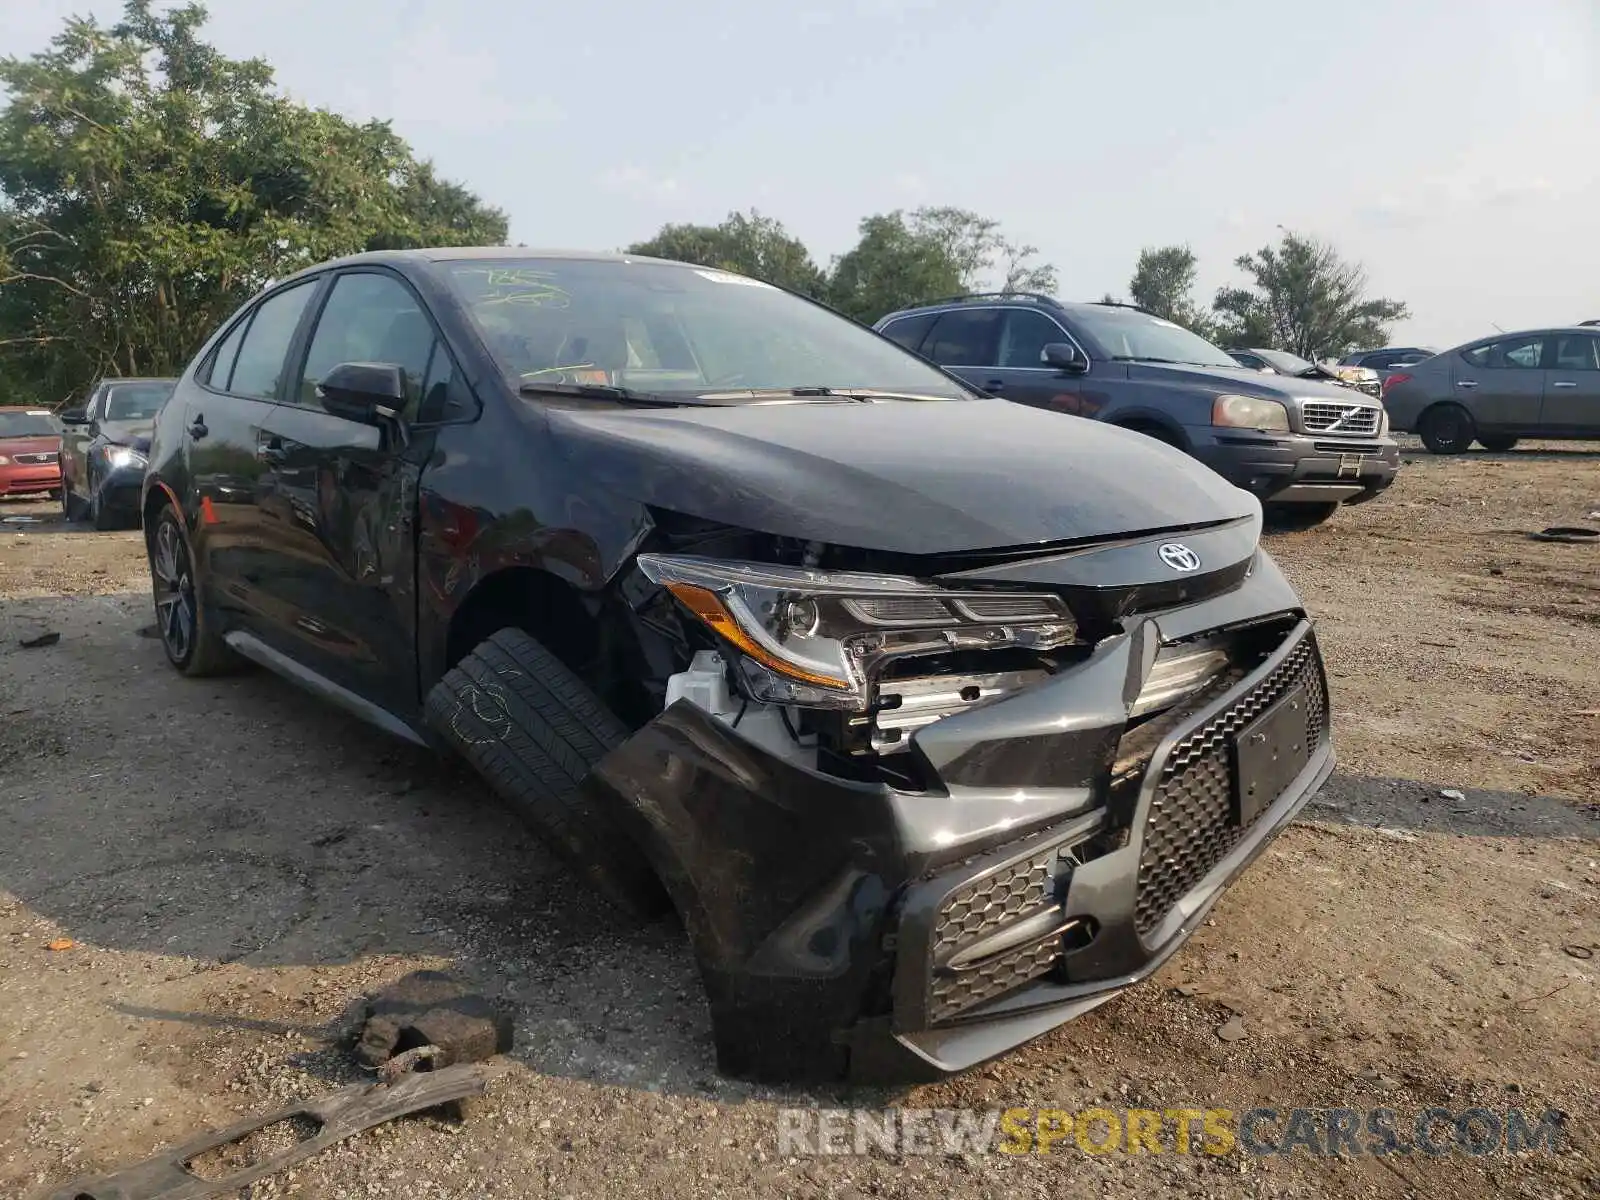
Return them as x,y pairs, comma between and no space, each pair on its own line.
822,392
1170,362
604,391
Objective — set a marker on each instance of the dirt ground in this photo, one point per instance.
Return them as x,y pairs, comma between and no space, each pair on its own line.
237,864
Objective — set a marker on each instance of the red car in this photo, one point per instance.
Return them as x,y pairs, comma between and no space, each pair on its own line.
30,451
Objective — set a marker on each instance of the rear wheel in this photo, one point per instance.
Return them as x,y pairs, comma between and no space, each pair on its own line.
192,645
1290,517
1447,429
1496,443
534,730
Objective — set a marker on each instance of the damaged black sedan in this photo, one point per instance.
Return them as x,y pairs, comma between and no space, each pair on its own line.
939,720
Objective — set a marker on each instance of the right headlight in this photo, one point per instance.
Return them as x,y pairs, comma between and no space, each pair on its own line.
819,638
118,457
1249,412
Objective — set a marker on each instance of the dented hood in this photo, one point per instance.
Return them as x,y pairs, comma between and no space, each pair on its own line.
910,477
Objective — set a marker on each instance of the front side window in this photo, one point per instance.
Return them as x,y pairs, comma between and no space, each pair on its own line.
1024,337
909,331
134,401
369,317
1512,354
1577,352
1126,335
266,343
672,330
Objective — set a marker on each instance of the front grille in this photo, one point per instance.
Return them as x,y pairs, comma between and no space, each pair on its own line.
49,456
981,907
1348,447
1322,416
1188,830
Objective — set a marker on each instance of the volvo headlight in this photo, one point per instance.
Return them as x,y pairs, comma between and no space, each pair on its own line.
1249,412
118,457
819,639
1383,422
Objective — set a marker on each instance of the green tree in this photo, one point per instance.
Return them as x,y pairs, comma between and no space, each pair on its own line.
149,185
1304,298
1163,283
748,243
901,259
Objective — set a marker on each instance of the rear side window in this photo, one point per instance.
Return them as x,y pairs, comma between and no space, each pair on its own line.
259,365
221,369
909,331
1024,337
963,338
1512,354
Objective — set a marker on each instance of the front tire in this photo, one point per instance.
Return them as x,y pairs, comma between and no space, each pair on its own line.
1496,443
1447,429
1292,517
193,647
532,728
70,508
99,516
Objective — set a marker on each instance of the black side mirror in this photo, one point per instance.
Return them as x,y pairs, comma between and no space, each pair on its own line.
1064,356
74,416
371,393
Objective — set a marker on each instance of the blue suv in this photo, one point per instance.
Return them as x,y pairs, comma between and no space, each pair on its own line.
1302,447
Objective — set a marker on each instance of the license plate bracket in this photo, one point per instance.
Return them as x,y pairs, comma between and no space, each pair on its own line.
1268,754
1350,464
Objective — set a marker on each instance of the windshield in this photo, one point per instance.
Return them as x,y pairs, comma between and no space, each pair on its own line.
674,330
1283,362
27,424
1128,334
136,401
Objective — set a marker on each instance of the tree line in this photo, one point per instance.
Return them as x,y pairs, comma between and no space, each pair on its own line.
149,185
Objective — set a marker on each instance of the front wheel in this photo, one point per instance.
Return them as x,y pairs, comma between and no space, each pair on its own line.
1496,444
1291,517
70,509
1447,429
192,645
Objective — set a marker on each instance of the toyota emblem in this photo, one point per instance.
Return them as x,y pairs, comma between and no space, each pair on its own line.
1179,557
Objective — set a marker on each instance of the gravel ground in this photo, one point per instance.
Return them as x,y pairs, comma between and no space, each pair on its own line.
237,865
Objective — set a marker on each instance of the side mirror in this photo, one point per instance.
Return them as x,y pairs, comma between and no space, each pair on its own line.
74,416
371,393
1064,356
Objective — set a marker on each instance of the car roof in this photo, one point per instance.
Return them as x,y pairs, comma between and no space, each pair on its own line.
435,254
1018,299
138,379
37,409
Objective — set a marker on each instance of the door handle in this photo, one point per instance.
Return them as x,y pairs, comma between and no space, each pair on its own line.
271,452
995,386
197,428
1563,383
1466,383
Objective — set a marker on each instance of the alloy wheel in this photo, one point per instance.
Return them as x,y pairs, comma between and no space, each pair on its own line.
174,586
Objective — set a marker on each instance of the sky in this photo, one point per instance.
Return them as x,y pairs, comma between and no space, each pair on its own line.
1452,147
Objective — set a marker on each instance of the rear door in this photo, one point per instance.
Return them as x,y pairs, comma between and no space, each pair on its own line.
963,342
1501,383
1020,372
223,416
1572,387
342,576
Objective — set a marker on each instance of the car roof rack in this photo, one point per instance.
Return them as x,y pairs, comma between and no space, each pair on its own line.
1125,304
1032,297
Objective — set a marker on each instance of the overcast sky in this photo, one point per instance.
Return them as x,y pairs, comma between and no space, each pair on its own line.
1451,146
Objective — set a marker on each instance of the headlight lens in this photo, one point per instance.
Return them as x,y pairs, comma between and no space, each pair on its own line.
1383,422
118,457
818,638
1249,412
4,461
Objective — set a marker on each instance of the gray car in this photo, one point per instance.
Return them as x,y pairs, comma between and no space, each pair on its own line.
1300,446
1538,383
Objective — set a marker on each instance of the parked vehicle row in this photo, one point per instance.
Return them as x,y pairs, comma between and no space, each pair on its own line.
1301,445
1281,362
938,719
30,451
104,447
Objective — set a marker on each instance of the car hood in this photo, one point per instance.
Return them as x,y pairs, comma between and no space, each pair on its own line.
29,445
1241,381
127,433
910,477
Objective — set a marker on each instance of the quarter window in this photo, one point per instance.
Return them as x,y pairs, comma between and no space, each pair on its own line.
1025,336
369,318
222,361
266,343
963,338
1519,353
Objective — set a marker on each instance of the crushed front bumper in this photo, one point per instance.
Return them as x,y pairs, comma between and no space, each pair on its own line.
850,929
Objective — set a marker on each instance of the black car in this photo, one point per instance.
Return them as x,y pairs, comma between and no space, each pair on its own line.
104,445
939,720
1281,362
1301,446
